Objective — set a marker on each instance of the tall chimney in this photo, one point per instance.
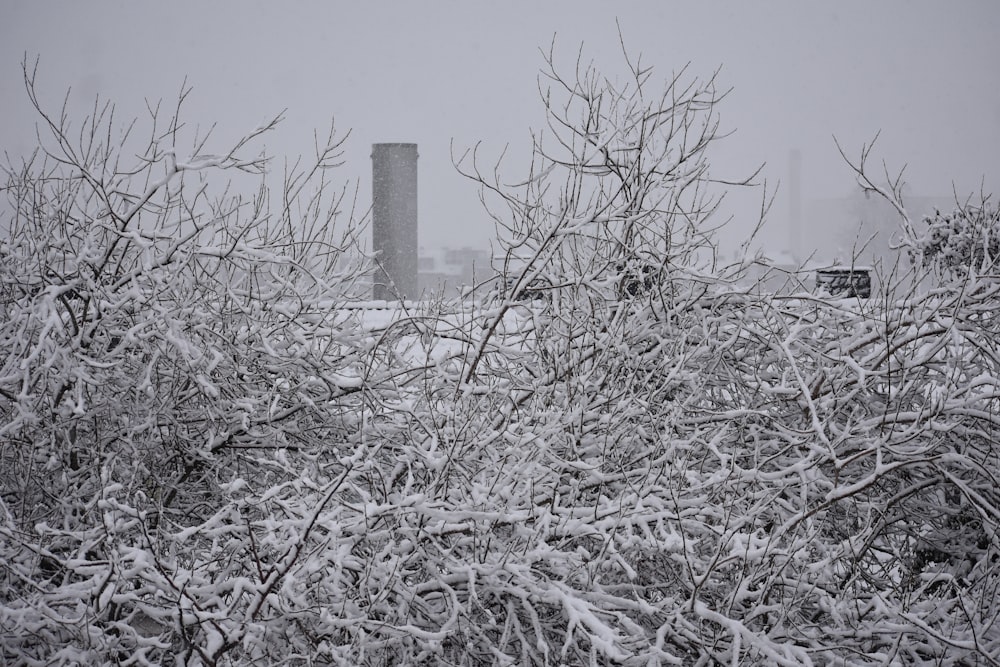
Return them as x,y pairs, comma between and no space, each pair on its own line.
394,220
795,205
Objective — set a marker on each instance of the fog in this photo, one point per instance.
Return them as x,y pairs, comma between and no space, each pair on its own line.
446,75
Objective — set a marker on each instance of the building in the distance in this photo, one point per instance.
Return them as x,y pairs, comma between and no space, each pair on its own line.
862,229
447,271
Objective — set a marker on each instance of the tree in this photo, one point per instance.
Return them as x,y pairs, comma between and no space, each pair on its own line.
717,474
963,241
162,338
211,458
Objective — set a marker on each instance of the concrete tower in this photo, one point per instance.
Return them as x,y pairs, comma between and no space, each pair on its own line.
795,206
394,220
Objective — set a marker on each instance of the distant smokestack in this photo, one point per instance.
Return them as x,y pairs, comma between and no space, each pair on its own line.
795,205
394,220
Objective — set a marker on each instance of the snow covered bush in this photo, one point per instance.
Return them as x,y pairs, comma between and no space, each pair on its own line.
159,333
713,474
963,241
627,454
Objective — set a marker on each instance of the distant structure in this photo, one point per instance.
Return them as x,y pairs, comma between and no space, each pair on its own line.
845,281
795,204
394,221
862,229
445,271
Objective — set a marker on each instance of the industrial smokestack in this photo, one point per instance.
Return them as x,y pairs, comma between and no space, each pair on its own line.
394,220
795,205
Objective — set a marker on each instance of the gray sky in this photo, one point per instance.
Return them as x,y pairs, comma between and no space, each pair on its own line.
924,73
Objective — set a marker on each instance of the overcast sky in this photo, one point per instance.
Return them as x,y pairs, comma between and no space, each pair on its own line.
433,73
